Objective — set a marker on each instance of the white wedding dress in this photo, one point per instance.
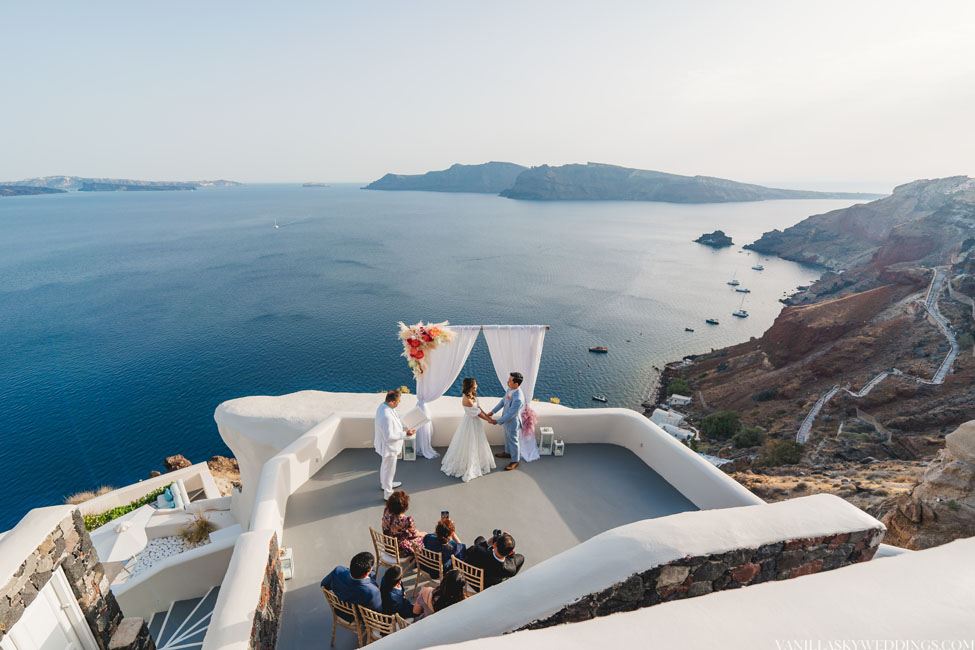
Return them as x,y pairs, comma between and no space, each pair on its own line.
469,454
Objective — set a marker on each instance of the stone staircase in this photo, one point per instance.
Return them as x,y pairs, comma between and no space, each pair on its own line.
184,624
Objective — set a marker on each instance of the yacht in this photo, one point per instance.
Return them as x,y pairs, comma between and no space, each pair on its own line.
712,321
758,267
743,290
741,313
599,398
596,348
733,282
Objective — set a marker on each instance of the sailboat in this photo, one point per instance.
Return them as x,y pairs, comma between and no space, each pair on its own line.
741,313
733,282
276,226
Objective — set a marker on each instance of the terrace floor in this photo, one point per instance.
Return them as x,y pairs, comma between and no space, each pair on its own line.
548,506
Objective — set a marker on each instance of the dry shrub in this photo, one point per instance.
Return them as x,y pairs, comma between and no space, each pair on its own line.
198,532
79,497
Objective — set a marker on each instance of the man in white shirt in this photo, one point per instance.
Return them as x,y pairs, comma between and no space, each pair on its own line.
389,440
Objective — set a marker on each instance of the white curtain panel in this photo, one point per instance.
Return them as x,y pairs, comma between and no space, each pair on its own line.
444,364
516,348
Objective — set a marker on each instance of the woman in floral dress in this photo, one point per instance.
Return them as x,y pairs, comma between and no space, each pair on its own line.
398,524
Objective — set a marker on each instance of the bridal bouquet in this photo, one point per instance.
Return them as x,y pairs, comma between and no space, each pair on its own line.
420,339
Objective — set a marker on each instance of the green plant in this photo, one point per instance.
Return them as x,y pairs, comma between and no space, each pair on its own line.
748,437
94,521
679,386
198,531
766,395
721,425
953,505
780,452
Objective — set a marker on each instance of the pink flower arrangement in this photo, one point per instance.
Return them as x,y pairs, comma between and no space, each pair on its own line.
419,339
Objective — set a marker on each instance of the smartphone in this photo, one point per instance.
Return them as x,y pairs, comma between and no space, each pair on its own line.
445,514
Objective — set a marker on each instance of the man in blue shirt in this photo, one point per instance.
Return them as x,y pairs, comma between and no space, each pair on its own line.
357,584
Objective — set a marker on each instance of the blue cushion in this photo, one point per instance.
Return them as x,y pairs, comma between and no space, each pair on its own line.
168,495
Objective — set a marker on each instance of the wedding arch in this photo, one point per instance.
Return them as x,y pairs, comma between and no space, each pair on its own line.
437,353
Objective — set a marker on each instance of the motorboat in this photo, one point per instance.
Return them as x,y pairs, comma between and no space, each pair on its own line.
758,267
741,313
600,349
712,321
688,329
599,398
743,290
733,281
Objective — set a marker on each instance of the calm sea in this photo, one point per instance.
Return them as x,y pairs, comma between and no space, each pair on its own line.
126,318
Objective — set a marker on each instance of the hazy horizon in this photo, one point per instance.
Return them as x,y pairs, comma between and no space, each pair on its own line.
835,96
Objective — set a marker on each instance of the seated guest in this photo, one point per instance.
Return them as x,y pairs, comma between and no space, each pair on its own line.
445,542
496,557
452,589
396,523
357,584
394,601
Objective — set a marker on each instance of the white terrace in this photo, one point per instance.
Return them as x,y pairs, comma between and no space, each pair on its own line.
625,497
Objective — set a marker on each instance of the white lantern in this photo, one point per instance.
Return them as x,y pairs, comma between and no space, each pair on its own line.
559,449
409,448
548,440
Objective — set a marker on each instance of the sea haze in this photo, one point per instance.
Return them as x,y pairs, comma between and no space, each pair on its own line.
126,318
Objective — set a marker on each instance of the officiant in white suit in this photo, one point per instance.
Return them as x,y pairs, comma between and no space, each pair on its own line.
389,440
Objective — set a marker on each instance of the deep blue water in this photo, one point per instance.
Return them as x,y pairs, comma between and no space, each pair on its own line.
126,318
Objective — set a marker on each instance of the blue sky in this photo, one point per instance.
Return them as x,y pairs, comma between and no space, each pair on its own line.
864,94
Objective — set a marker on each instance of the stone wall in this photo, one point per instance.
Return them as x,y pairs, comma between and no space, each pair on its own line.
132,634
267,618
699,575
68,546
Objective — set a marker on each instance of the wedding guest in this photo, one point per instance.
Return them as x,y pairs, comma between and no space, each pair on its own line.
396,523
452,589
356,584
496,557
394,600
445,542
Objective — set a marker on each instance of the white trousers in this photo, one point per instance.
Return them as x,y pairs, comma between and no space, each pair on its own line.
386,473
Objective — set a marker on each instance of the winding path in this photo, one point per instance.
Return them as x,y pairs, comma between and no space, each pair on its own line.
931,305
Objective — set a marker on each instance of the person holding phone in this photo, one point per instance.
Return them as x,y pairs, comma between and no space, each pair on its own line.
496,557
445,541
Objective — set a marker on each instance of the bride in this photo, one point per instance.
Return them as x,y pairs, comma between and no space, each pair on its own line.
469,454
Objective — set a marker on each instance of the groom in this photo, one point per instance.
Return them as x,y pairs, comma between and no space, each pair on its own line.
513,404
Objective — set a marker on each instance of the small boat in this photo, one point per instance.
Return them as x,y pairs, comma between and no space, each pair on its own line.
596,348
734,282
688,329
276,226
599,398
743,290
712,321
758,267
741,313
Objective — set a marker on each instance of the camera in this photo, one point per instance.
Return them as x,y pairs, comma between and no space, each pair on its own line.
445,514
497,533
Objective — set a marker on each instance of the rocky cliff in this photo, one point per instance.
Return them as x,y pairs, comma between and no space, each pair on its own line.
489,178
869,320
942,504
906,225
599,182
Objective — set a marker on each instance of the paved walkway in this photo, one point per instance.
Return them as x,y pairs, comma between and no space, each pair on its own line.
549,506
931,305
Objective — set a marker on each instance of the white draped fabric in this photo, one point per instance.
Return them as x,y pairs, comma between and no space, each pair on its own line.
445,363
517,348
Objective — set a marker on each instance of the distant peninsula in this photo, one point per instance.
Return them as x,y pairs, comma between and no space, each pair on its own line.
599,182
716,239
22,190
488,178
84,184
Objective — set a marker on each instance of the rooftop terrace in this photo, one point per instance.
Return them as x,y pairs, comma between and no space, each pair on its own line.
549,506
